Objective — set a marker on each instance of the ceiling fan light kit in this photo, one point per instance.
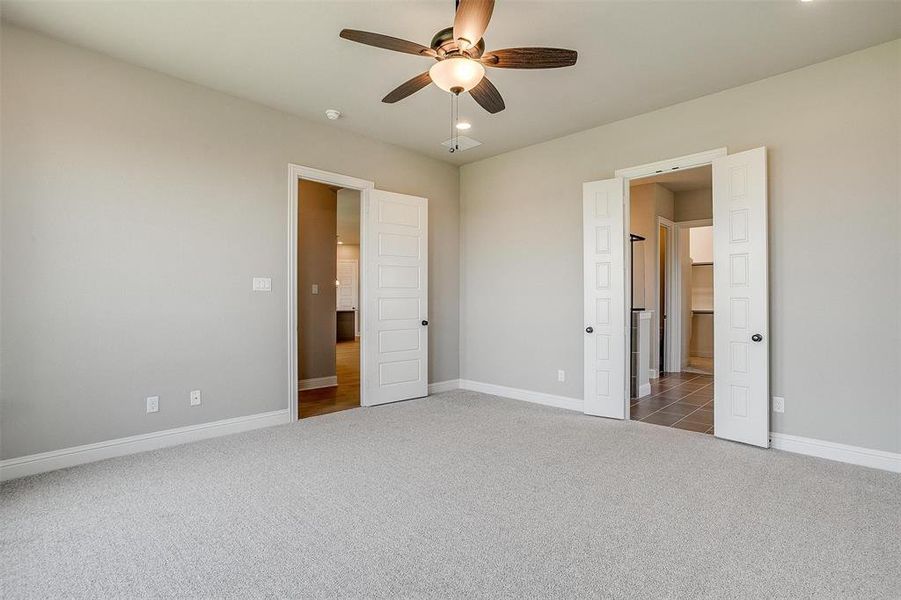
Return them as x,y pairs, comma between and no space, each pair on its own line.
460,52
456,74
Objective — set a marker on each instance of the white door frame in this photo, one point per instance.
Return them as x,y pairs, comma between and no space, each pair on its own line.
679,163
681,228
676,307
668,349
295,174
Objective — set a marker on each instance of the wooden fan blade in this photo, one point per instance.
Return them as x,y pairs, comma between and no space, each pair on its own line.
386,41
487,96
407,88
530,58
471,21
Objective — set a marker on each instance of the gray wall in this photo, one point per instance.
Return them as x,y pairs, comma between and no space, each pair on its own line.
136,208
833,132
316,264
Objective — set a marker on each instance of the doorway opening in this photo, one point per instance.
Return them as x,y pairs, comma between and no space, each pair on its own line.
391,312
741,306
671,367
328,293
326,375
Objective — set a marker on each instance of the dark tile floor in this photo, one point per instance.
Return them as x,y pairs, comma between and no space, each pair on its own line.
681,400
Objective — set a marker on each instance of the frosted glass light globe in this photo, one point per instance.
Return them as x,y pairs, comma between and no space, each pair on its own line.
457,74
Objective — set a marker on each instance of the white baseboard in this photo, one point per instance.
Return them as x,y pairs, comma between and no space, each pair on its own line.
525,395
317,382
13,468
444,386
653,374
644,390
855,455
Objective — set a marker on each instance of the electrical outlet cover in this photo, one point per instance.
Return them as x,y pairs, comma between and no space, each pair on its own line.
195,398
153,404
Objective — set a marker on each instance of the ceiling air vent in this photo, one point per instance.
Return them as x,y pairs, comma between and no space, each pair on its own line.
463,143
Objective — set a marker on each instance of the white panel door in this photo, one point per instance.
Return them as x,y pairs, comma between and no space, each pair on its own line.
347,296
395,334
347,285
740,292
603,240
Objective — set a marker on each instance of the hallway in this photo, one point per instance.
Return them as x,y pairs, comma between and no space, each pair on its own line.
343,396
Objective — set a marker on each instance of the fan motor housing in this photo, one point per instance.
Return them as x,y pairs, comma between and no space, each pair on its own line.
444,44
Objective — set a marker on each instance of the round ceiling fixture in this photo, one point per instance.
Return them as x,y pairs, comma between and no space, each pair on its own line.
333,114
457,74
463,125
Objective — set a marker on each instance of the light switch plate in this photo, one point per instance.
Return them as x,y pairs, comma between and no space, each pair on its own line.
315,289
262,284
561,375
778,404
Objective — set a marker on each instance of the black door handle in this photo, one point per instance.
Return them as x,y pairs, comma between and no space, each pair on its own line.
756,338
425,322
589,330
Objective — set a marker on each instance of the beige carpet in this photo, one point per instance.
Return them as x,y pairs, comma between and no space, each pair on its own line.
460,495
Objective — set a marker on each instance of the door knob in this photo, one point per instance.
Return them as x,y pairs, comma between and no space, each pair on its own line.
756,337
425,322
589,330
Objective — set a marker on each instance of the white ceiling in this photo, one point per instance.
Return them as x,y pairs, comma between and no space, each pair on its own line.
633,56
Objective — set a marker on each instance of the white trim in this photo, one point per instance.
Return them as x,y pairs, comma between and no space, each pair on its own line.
855,455
670,324
345,181
13,468
679,326
524,395
644,390
295,173
444,386
689,161
317,382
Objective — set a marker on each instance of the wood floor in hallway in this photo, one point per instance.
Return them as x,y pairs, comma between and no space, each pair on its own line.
345,395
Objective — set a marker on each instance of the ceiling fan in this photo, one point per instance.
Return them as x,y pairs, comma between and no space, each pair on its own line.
460,52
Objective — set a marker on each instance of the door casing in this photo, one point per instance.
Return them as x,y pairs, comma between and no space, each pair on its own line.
680,163
295,174
677,308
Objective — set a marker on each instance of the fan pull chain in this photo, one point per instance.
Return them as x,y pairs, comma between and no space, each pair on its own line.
456,121
452,124
454,117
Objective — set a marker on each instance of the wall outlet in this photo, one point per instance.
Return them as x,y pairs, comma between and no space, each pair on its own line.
262,284
561,375
153,404
778,404
195,398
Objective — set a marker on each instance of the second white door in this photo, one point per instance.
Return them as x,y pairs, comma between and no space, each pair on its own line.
740,294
